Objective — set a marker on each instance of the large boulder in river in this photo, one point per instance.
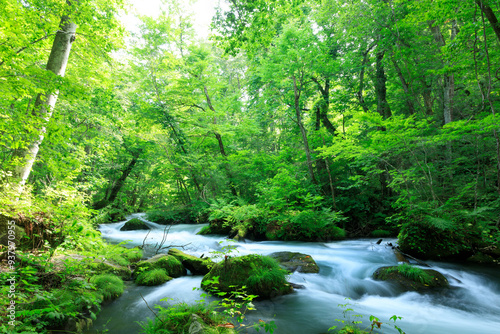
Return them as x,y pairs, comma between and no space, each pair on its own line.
196,265
293,261
170,264
134,224
255,274
411,278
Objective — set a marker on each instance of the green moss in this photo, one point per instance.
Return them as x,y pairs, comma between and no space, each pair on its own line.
414,273
258,275
134,224
171,264
204,230
411,277
196,265
153,277
109,285
293,261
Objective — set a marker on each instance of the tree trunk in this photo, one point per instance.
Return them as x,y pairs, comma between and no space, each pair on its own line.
324,106
217,135
490,15
303,130
408,99
361,99
45,104
383,107
448,79
117,186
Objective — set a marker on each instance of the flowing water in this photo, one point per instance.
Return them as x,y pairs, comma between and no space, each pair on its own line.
471,305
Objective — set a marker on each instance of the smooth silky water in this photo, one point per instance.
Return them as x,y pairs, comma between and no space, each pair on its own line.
471,305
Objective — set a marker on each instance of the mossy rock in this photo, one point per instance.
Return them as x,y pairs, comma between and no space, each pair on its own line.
481,258
152,277
216,227
293,261
170,263
109,285
196,265
418,280
134,224
260,275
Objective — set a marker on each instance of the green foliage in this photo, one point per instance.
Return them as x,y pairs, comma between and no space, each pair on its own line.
178,318
352,322
109,285
155,276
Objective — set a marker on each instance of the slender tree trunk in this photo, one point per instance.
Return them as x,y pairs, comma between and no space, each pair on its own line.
361,99
217,135
448,79
427,97
383,107
44,105
118,184
404,84
296,92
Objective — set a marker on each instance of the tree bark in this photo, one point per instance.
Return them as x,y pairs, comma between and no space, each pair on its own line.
490,15
296,93
217,135
118,184
383,107
448,79
322,109
408,100
361,99
44,105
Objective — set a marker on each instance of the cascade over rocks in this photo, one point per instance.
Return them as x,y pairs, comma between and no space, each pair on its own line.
293,261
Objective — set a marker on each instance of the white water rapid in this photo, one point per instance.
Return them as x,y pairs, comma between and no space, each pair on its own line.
470,306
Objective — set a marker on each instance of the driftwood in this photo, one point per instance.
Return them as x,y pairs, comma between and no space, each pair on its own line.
403,257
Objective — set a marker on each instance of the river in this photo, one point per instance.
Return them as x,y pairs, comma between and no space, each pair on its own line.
471,305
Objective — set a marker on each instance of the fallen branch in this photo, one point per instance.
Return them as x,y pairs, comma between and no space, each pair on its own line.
156,316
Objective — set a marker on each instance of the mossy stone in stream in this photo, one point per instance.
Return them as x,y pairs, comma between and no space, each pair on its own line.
171,264
153,277
196,265
293,261
134,224
411,278
256,274
109,285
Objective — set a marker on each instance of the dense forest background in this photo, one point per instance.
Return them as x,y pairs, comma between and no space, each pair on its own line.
297,120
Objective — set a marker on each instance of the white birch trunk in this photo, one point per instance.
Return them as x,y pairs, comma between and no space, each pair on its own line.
44,105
